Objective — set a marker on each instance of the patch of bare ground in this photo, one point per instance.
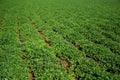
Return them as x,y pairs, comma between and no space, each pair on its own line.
33,23
76,78
64,63
76,46
41,34
47,43
31,74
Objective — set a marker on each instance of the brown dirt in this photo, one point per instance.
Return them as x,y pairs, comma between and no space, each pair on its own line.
47,43
41,34
33,23
31,74
64,63
76,78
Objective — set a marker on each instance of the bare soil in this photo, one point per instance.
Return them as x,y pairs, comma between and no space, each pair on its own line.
31,74
64,63
41,34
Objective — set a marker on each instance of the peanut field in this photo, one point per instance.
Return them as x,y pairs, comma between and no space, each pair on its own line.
59,39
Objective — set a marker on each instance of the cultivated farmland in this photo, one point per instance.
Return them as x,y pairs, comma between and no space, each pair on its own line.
59,40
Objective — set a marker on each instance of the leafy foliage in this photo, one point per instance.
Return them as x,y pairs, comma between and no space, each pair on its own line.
59,40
